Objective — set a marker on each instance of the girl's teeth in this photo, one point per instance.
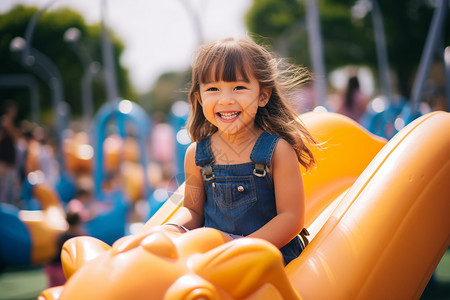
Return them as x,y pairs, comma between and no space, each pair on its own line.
228,116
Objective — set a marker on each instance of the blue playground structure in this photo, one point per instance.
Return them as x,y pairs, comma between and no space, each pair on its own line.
14,236
112,225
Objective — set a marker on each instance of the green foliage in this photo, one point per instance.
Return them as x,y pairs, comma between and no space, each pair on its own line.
48,38
169,88
271,18
347,40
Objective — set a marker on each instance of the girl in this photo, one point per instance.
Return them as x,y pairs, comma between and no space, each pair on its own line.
242,172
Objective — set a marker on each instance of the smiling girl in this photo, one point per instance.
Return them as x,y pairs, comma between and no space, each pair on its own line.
242,172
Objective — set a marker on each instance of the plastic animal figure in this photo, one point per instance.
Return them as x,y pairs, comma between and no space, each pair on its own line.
159,264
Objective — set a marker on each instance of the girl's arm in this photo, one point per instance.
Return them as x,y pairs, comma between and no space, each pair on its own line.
289,195
190,214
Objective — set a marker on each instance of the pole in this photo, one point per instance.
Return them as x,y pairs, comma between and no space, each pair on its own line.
380,44
108,59
316,51
431,44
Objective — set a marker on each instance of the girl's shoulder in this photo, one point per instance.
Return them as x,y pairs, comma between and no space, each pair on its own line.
189,158
190,151
283,146
192,147
201,143
199,153
284,152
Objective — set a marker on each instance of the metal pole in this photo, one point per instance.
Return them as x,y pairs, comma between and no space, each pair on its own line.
86,89
380,44
316,51
434,33
194,16
447,75
108,59
30,30
42,66
73,37
47,70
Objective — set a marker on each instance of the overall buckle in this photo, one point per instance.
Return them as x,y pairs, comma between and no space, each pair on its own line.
208,173
260,170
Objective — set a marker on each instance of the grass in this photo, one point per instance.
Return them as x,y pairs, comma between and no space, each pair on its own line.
27,284
439,286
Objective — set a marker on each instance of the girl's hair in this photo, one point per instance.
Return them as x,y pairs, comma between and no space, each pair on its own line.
229,59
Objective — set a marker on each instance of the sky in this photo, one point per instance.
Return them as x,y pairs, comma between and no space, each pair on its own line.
159,35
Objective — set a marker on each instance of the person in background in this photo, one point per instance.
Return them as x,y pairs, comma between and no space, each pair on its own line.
353,103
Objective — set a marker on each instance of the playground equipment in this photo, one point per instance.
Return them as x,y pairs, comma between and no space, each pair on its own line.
393,114
376,231
111,225
29,237
378,218
78,153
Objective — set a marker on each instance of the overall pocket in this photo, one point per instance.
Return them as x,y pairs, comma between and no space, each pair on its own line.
234,192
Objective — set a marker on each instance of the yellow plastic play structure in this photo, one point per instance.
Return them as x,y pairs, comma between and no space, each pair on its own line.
377,212
45,225
29,237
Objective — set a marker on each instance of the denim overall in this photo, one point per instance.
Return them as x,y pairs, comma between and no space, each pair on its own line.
240,198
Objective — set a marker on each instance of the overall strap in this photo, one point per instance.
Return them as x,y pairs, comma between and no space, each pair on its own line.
203,153
262,153
204,158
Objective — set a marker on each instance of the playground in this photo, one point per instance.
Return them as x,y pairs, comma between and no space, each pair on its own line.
83,223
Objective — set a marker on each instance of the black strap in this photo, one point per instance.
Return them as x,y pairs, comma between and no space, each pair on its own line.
303,237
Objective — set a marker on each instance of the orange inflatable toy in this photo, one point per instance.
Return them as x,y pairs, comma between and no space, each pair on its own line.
165,265
391,228
375,235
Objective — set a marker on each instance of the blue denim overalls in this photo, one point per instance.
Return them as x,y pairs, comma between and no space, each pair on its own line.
240,198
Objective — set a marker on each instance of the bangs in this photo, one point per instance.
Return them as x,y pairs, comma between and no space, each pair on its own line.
225,63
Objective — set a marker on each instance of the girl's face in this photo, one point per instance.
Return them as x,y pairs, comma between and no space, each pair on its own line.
232,106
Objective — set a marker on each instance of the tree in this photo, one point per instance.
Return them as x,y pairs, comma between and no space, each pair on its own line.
48,39
347,40
168,88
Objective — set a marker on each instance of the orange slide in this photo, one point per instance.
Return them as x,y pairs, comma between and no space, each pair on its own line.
389,231
377,213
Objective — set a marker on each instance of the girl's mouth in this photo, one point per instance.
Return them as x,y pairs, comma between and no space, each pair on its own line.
228,115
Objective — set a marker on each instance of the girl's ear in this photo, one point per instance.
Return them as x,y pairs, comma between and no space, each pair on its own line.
264,96
198,98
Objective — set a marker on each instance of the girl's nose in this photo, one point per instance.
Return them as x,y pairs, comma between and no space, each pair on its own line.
226,98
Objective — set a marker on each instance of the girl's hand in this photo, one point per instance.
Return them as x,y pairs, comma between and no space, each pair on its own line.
174,228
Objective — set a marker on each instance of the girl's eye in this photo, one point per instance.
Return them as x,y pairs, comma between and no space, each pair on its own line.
212,89
240,87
